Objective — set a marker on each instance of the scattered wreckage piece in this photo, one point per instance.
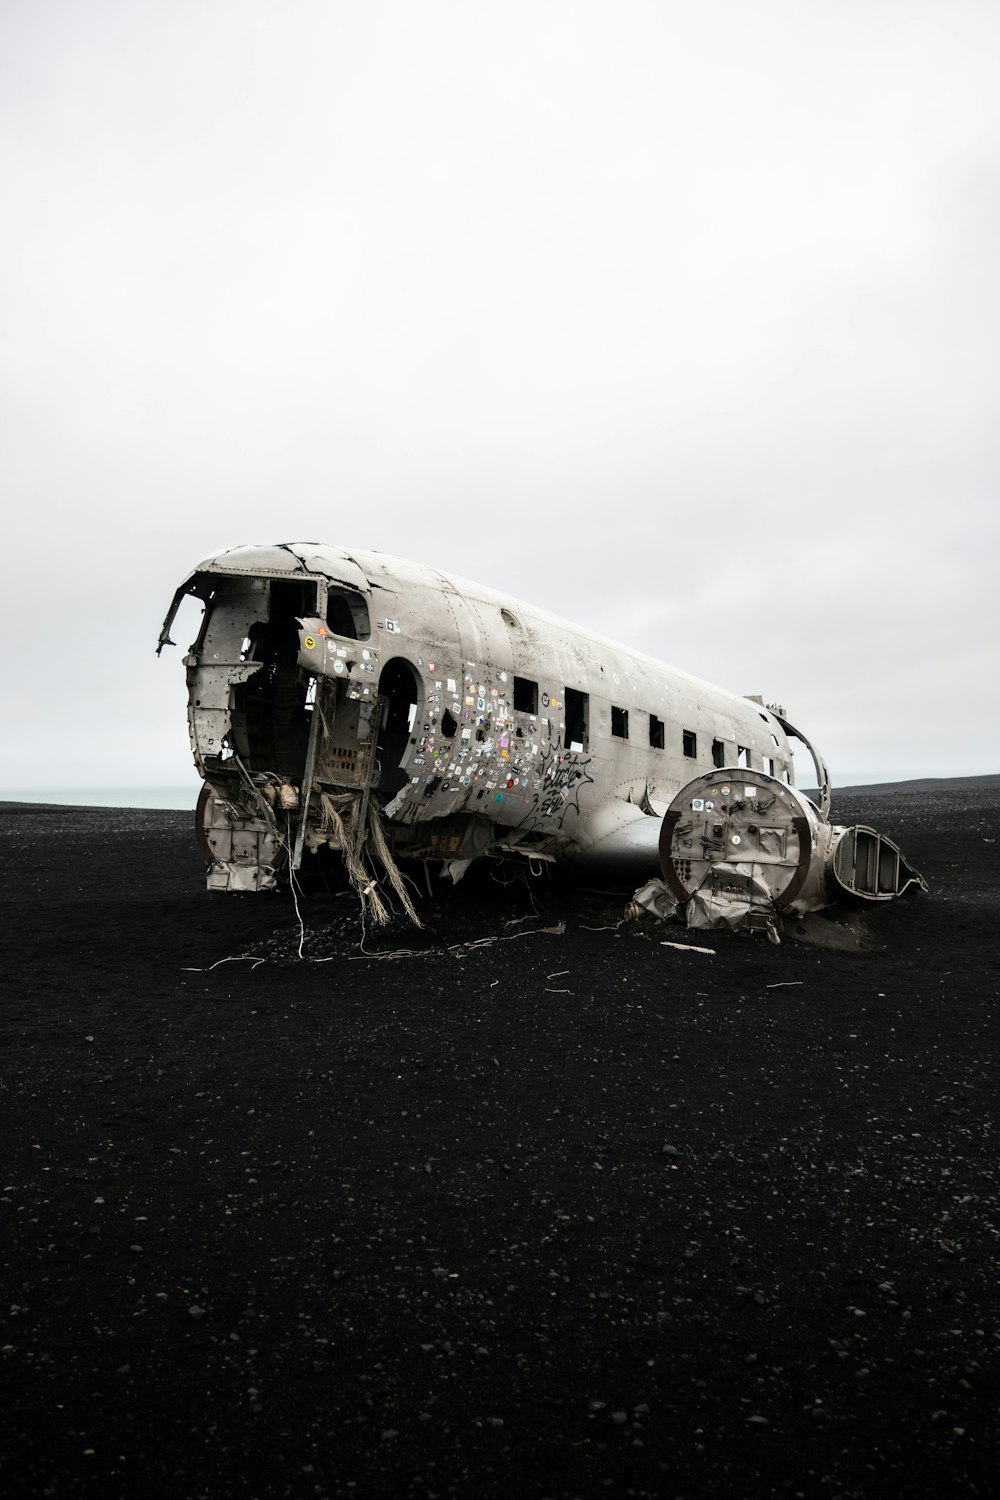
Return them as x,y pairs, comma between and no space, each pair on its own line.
742,851
387,711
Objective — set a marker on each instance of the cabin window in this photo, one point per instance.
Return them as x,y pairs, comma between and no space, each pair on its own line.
656,736
769,765
347,614
577,719
448,724
619,722
690,743
718,753
743,756
525,696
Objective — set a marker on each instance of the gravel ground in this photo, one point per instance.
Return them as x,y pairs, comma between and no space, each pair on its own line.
523,1205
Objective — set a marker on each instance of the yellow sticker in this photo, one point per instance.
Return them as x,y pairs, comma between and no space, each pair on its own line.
310,642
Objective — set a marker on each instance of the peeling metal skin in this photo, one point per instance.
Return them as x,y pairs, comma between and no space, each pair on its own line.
330,690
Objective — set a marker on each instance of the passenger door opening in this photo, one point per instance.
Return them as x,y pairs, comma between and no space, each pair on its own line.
399,687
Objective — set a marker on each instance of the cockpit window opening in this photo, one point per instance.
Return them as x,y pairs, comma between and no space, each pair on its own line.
347,613
183,617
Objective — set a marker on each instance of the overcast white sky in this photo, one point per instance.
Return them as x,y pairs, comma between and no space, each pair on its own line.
681,320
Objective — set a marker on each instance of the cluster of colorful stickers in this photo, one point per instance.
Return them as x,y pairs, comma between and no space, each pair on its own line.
471,735
723,793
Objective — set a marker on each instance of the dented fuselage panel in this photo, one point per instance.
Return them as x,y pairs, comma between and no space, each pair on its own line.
328,690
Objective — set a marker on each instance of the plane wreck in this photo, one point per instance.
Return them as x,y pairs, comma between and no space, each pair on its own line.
388,711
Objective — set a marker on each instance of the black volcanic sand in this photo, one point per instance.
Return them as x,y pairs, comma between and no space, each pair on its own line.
561,1214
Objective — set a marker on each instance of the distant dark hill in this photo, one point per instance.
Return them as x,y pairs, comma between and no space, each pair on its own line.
920,784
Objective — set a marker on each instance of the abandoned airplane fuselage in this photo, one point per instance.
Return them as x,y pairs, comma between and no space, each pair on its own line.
335,694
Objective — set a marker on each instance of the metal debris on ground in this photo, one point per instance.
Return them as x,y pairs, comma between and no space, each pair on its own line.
686,947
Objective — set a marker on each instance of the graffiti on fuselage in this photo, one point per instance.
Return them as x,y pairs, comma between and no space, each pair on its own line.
564,775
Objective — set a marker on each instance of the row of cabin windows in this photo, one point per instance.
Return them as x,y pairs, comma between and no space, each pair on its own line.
577,711
657,738
347,615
